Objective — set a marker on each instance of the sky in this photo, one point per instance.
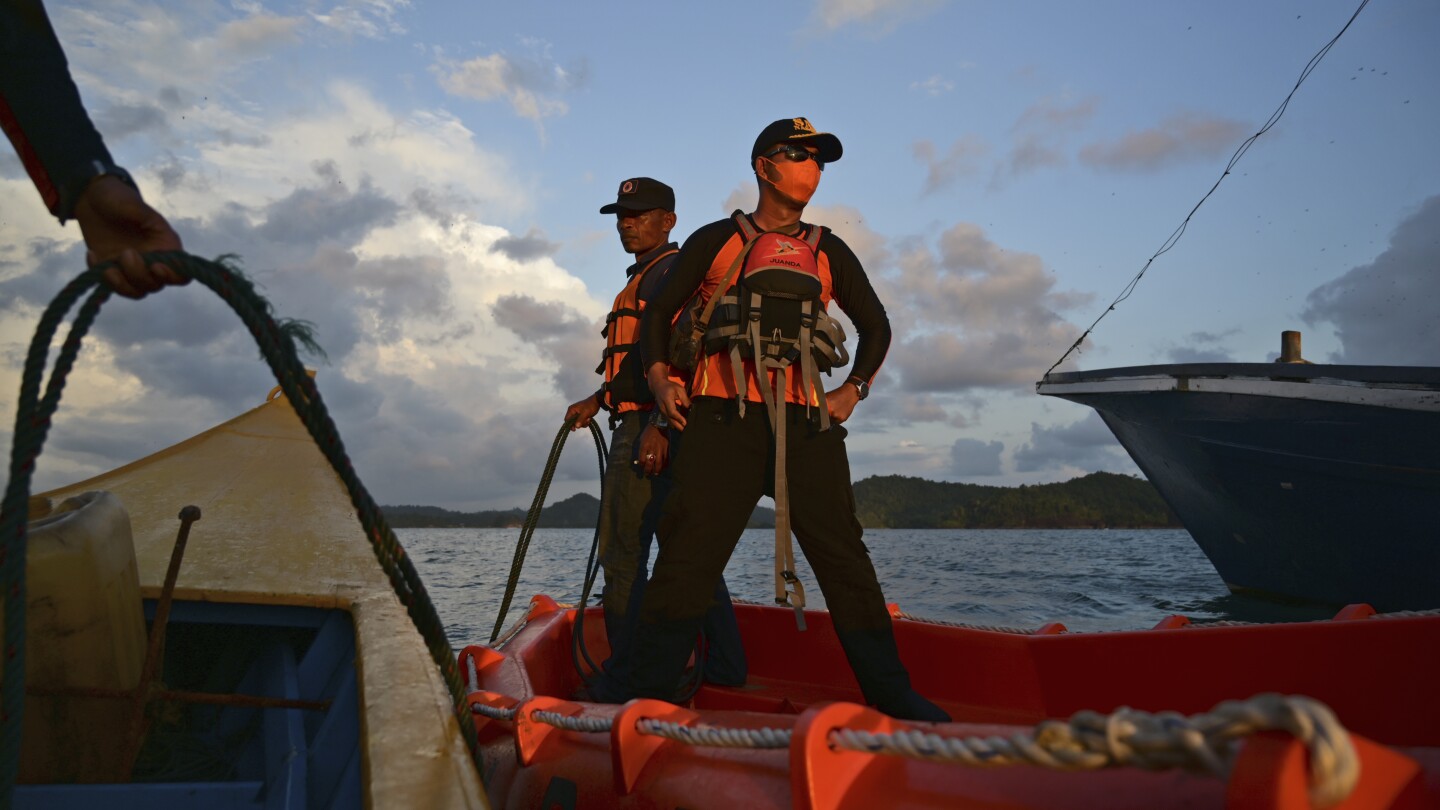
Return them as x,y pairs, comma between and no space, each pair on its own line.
421,181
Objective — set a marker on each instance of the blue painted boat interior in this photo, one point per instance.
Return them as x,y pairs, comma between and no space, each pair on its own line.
221,757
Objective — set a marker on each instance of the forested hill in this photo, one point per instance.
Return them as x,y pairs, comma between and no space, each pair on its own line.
1093,501
895,502
576,512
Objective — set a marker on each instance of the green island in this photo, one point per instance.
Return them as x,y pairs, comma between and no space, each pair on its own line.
1094,501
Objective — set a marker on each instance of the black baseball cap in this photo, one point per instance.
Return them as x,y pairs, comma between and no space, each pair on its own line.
642,194
797,129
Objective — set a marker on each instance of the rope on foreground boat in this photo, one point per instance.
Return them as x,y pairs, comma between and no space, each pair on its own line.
277,345
532,518
1204,743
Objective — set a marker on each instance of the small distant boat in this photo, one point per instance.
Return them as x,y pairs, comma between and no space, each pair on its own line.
1312,482
797,736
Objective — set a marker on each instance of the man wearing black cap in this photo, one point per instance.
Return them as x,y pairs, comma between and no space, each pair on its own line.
634,485
731,451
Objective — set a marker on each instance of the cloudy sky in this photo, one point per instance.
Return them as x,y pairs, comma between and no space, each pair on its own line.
421,181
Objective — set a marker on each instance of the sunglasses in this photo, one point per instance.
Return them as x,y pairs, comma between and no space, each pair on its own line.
796,154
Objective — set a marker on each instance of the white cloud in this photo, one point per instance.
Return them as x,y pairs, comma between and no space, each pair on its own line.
533,86
960,161
936,85
1182,137
973,457
1079,448
369,221
974,315
123,50
878,16
368,19
258,34
1384,312
402,151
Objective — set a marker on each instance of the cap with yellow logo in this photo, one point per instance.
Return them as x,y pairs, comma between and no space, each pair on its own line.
797,129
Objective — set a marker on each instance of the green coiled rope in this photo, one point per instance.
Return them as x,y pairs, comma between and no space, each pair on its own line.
277,345
532,519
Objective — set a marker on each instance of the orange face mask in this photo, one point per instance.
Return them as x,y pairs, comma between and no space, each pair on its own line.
797,181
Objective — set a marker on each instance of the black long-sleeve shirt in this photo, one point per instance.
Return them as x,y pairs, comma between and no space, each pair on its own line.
850,288
41,111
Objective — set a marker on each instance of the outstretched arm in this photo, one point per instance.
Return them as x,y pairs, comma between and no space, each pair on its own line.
42,114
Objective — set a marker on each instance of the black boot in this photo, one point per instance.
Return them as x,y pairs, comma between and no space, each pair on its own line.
883,679
725,663
616,634
657,657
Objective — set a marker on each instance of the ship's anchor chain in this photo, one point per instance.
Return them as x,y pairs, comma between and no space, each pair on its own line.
1203,743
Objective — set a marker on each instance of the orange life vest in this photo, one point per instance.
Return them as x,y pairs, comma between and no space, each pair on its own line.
714,375
625,388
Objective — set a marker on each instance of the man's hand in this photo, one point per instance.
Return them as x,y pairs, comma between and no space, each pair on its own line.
118,225
582,412
654,451
670,396
841,402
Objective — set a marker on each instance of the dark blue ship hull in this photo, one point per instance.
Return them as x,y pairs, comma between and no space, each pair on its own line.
1310,482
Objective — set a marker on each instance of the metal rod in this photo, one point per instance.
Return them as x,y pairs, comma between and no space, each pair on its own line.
154,653
1290,347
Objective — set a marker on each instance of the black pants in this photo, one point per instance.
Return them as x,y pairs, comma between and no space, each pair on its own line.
628,515
728,463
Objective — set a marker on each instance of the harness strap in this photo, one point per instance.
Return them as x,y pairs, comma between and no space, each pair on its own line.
812,237
699,325
611,351
737,370
810,382
622,313
788,588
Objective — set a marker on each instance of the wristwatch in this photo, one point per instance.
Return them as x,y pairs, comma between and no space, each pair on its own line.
861,386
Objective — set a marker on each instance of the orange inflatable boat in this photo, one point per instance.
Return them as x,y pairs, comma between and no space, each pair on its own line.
1338,713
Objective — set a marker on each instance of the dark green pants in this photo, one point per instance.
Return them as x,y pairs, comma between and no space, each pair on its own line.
628,515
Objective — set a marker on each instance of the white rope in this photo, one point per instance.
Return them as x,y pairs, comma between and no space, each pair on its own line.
1201,743
590,725
716,736
493,712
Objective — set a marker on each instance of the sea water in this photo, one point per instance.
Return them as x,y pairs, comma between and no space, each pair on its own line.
1116,579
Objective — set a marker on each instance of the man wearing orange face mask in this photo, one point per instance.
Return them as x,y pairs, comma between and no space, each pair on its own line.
733,428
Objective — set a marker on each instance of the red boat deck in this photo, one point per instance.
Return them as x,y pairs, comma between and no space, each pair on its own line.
1375,672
